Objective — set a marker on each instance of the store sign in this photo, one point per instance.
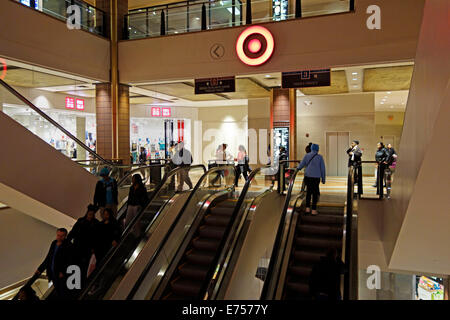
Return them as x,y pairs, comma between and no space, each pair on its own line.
255,46
166,112
306,78
70,103
215,85
80,104
156,112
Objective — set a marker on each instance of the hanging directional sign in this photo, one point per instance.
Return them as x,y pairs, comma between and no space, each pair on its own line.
306,78
215,85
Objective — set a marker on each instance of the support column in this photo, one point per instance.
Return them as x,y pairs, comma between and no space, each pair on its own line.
81,135
104,119
283,114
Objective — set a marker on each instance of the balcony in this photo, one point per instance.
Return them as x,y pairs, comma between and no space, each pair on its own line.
92,19
199,15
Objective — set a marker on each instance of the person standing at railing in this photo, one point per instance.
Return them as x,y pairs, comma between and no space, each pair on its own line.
314,172
381,157
183,159
354,160
106,193
56,262
242,166
389,171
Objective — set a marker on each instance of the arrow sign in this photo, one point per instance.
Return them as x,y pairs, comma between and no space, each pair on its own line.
217,51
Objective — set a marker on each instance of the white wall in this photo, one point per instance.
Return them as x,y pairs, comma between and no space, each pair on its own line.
24,242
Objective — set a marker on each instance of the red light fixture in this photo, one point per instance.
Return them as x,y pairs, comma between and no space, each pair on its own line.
255,46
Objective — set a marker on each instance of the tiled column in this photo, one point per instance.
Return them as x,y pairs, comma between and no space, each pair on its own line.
123,121
81,135
104,118
283,111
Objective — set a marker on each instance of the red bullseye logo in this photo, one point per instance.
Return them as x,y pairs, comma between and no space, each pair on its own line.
3,68
255,46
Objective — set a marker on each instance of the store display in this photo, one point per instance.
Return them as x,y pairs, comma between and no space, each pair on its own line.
429,288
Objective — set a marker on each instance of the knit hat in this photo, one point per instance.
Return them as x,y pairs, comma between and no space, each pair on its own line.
314,147
104,172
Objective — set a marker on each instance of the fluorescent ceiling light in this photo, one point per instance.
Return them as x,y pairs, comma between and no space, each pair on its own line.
354,79
354,73
389,92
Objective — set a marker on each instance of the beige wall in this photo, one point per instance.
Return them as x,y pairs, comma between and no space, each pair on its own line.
338,113
259,123
416,220
75,51
307,43
223,125
24,242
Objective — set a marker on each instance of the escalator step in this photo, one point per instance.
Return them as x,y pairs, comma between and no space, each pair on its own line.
217,220
307,256
323,219
319,230
317,243
184,287
230,203
223,211
200,258
205,244
301,289
212,232
193,272
300,271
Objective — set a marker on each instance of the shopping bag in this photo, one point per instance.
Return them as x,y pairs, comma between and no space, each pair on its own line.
92,263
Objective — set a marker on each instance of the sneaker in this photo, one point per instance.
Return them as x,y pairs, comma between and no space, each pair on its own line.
308,210
314,213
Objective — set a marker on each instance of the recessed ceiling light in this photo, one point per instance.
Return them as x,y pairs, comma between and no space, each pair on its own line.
389,92
354,73
381,102
354,79
197,18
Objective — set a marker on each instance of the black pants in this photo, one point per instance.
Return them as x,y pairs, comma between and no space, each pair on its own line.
312,189
240,169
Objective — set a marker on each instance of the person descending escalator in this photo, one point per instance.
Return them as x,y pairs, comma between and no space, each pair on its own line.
325,278
106,193
137,198
314,172
82,236
107,235
183,159
58,258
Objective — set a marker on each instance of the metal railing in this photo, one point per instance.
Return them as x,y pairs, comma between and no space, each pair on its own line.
191,16
93,19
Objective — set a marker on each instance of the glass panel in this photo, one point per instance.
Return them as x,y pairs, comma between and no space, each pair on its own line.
177,20
195,17
221,14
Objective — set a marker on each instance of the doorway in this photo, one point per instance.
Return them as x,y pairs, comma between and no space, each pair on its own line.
337,158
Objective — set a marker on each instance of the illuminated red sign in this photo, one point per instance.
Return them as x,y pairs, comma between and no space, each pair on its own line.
70,103
156,112
80,104
255,45
3,68
166,112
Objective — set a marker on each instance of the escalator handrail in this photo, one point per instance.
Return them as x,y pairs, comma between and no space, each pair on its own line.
278,240
348,230
222,262
129,228
53,122
172,227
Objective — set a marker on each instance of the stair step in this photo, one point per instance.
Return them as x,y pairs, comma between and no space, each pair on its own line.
322,219
200,258
217,220
327,230
193,272
184,287
317,243
205,244
212,232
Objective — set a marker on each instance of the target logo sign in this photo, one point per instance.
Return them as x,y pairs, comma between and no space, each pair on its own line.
3,68
255,46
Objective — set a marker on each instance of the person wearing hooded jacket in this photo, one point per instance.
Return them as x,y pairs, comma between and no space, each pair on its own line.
106,193
314,172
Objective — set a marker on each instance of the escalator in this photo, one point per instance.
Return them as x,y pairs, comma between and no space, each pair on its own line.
304,239
198,255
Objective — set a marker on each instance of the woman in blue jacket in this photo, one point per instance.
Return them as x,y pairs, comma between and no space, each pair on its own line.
314,172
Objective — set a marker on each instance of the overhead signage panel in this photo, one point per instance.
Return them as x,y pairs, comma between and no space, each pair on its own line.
215,85
306,78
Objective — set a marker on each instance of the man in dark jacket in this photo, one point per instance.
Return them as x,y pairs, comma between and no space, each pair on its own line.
325,279
83,237
106,193
56,262
354,159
